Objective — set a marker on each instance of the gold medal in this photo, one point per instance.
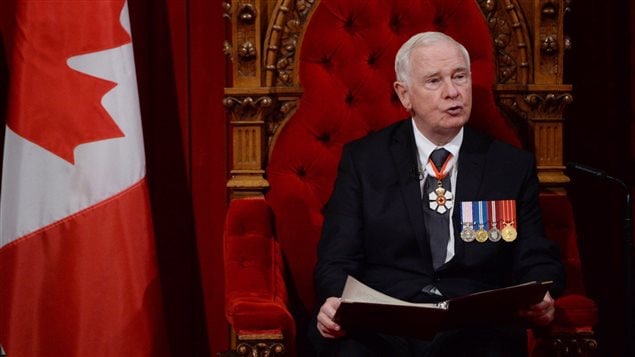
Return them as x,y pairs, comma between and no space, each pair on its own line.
481,235
509,233
481,219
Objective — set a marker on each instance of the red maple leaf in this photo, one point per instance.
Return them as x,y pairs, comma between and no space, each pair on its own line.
51,104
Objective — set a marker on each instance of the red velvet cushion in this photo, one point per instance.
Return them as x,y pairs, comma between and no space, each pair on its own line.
346,68
559,224
575,312
255,289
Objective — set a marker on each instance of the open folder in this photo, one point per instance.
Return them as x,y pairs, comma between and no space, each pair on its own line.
364,308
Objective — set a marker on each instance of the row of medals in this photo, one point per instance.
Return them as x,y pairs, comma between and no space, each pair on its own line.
443,198
481,235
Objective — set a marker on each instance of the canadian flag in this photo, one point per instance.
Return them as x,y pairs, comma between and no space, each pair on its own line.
78,271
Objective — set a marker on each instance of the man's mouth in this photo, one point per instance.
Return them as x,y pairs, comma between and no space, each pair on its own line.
455,110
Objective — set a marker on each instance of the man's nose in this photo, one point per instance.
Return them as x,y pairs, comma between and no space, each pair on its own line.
450,89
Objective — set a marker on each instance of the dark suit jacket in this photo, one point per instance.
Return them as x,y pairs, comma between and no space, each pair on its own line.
374,227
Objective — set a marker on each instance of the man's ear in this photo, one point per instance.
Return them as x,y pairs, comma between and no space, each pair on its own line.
404,96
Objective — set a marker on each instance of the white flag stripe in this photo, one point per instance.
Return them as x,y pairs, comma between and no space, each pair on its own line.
33,198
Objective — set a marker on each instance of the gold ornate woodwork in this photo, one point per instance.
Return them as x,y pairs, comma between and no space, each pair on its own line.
247,122
264,90
260,348
283,39
565,343
541,108
579,345
254,120
529,75
511,42
259,345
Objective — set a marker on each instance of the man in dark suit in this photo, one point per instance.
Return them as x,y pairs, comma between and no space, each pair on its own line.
423,231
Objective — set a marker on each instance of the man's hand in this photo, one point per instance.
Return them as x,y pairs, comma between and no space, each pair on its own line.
542,313
325,324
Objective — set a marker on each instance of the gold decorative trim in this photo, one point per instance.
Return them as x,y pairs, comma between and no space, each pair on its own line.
247,108
227,8
549,38
540,112
256,116
260,345
285,107
536,105
248,118
509,33
547,105
246,21
282,41
247,14
579,344
260,349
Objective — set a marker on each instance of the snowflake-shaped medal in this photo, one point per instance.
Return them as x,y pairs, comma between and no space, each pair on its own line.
440,200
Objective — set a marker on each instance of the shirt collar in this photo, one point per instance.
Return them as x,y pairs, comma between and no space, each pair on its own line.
425,146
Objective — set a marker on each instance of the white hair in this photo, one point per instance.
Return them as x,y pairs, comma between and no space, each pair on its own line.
402,59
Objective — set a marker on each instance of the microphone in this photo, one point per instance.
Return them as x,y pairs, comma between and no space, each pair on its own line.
594,172
628,251
586,169
415,174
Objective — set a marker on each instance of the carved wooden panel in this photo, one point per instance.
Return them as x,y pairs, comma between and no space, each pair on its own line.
511,40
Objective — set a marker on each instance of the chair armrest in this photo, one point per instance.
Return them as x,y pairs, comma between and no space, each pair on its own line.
256,301
574,313
570,333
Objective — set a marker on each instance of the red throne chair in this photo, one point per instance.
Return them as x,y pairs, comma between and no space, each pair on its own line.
307,76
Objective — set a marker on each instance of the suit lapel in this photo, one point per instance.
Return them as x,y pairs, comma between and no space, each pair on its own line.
471,168
403,152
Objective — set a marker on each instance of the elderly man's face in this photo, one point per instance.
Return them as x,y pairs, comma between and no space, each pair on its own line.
439,95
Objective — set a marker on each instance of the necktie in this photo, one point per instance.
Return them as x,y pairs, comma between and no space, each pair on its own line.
438,157
437,224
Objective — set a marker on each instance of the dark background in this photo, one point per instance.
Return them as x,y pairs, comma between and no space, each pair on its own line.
599,131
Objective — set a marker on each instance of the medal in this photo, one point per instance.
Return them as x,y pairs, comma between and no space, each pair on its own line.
481,236
440,199
467,233
509,232
494,232
481,219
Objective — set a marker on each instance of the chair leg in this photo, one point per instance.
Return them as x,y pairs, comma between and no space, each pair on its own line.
579,344
260,345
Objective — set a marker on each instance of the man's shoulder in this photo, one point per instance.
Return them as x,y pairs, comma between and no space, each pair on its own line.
382,137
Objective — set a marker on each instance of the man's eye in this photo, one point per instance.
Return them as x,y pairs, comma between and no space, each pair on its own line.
432,83
460,78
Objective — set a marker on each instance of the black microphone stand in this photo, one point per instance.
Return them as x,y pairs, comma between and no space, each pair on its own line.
628,257
629,338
